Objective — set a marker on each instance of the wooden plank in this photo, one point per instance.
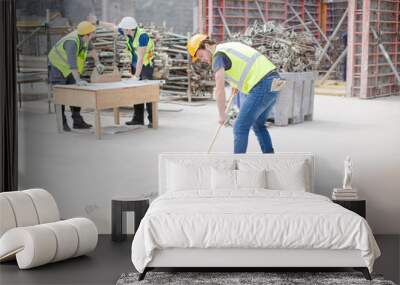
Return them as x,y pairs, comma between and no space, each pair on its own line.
127,96
116,116
74,97
107,98
115,76
58,111
97,123
154,111
128,83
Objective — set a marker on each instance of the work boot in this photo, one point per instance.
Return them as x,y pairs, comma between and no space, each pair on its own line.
79,123
66,128
134,121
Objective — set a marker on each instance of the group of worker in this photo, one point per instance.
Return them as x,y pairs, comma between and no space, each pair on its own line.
68,57
243,67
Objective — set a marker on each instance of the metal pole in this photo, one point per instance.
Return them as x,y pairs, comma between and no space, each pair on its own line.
297,26
224,22
339,59
288,20
332,36
316,24
308,30
385,54
260,11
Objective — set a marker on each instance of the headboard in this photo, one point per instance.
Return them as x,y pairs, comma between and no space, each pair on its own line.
164,158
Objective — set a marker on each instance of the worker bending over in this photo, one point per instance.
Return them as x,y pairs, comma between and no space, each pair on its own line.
67,64
247,70
141,48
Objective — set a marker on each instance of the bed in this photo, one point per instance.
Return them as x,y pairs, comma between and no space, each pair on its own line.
247,211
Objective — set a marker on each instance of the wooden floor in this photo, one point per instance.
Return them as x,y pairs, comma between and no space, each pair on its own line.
110,260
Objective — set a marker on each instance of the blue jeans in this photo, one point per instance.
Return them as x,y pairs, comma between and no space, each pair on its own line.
253,113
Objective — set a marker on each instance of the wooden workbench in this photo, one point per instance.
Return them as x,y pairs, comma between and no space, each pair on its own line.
100,96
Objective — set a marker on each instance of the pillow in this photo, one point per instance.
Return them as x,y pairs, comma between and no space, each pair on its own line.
282,174
223,179
251,178
288,178
187,177
193,173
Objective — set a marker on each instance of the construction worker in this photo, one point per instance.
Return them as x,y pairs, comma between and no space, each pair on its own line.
247,70
92,18
141,48
67,63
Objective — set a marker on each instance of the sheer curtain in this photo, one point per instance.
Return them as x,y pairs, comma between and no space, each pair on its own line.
8,105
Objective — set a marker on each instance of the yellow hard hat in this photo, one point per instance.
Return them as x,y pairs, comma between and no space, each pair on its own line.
194,44
85,28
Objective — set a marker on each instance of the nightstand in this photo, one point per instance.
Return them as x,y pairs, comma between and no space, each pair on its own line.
119,207
357,206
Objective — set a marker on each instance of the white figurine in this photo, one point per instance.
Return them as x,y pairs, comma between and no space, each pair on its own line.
348,169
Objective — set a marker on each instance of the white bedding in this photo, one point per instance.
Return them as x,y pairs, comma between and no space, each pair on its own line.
250,219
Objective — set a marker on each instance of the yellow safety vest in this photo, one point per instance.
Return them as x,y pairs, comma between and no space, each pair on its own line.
248,65
58,55
149,54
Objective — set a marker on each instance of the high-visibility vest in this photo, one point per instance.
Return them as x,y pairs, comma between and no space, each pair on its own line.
248,65
58,55
149,54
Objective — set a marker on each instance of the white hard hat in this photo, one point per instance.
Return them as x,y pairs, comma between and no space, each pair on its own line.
128,23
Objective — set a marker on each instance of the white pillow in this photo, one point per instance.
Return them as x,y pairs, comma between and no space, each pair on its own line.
193,173
223,179
287,178
187,177
282,174
251,179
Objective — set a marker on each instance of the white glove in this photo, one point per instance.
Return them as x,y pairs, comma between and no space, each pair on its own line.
134,78
100,67
82,82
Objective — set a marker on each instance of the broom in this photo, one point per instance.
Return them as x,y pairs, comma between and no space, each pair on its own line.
228,107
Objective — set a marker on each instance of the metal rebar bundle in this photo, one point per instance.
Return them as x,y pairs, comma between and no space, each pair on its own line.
290,51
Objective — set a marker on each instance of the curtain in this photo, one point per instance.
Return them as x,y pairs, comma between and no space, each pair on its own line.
8,103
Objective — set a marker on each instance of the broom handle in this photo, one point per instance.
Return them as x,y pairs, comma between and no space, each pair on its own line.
228,107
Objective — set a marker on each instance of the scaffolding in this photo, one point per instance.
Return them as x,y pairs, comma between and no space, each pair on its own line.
373,63
221,18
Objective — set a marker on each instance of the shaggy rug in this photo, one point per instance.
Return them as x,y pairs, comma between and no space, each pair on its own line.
243,278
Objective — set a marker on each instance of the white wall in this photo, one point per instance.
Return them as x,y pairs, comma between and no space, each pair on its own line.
83,174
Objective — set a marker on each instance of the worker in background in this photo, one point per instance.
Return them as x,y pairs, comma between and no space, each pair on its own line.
92,18
67,63
141,48
247,70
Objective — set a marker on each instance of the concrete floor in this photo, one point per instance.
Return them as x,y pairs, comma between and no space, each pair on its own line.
84,174
110,260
